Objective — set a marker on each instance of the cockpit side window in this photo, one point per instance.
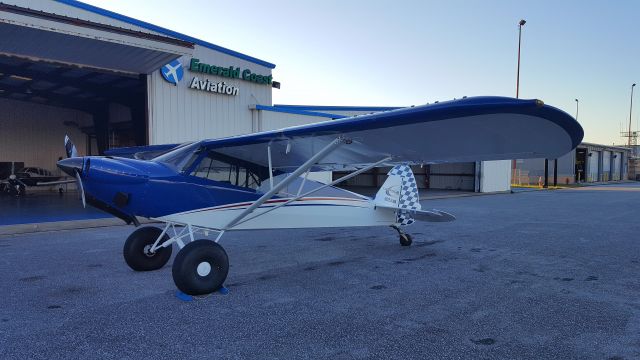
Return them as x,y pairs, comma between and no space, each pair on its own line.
216,167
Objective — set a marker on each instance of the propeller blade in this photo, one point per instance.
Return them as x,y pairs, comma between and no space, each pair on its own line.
70,147
16,179
81,188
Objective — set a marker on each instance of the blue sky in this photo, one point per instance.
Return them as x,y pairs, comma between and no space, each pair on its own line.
386,53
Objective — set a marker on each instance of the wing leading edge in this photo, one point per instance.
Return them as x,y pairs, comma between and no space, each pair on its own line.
471,129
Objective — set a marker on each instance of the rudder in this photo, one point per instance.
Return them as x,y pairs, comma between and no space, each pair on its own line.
400,191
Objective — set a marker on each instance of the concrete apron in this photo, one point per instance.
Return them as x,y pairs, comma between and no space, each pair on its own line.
63,225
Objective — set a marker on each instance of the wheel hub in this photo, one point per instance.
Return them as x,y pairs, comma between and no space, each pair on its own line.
204,268
147,251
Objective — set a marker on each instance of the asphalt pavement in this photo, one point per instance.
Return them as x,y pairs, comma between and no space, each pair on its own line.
532,275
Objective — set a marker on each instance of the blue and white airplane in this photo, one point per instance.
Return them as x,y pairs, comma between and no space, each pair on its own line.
260,181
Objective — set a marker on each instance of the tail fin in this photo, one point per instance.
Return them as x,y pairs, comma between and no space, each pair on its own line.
400,191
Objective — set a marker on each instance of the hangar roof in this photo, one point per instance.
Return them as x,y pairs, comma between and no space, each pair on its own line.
161,30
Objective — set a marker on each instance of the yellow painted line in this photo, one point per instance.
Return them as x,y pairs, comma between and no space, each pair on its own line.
538,187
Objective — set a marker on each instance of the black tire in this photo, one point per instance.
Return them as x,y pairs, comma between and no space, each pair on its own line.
138,242
205,254
405,239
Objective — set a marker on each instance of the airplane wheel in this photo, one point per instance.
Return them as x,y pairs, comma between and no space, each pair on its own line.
200,268
136,250
405,239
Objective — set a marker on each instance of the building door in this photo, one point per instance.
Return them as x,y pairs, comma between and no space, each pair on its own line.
581,159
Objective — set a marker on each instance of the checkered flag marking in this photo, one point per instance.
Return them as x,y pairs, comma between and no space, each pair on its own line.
409,198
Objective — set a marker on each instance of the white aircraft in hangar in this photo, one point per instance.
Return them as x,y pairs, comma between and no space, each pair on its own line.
260,181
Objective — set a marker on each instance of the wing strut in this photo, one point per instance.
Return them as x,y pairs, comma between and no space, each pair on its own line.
298,196
294,175
270,167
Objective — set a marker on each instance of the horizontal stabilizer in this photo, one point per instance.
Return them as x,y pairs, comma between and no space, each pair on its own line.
432,215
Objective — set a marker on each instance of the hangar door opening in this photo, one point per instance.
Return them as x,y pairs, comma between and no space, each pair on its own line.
41,102
436,177
82,75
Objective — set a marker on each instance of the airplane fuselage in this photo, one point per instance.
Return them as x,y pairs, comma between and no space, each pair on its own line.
130,188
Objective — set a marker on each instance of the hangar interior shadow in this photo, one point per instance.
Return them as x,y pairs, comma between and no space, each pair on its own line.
93,91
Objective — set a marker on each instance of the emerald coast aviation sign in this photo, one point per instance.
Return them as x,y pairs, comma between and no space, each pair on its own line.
196,66
170,74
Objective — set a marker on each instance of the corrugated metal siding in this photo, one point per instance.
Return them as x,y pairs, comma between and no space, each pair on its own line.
178,113
34,134
592,165
70,11
271,120
29,36
445,176
606,165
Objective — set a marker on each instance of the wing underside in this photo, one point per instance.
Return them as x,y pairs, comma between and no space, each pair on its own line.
472,129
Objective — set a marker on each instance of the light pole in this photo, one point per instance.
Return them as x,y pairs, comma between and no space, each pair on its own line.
630,110
514,165
520,25
577,102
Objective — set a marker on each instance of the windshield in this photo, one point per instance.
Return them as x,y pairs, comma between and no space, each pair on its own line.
179,157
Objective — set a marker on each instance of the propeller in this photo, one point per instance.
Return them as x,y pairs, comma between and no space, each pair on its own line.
15,178
70,147
73,165
81,188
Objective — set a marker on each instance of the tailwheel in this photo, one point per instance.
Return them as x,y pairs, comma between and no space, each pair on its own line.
200,268
405,239
137,252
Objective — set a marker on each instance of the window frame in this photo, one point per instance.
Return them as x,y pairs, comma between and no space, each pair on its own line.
250,172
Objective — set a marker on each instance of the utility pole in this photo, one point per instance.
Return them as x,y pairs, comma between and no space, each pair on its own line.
630,110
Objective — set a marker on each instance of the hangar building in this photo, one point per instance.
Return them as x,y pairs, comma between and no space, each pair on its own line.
585,164
111,81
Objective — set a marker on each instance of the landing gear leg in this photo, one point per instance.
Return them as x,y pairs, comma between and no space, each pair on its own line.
405,239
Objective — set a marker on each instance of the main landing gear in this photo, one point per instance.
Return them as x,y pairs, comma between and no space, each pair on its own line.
200,267
405,239
137,249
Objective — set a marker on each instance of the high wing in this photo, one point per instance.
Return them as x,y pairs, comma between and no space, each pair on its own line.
470,129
